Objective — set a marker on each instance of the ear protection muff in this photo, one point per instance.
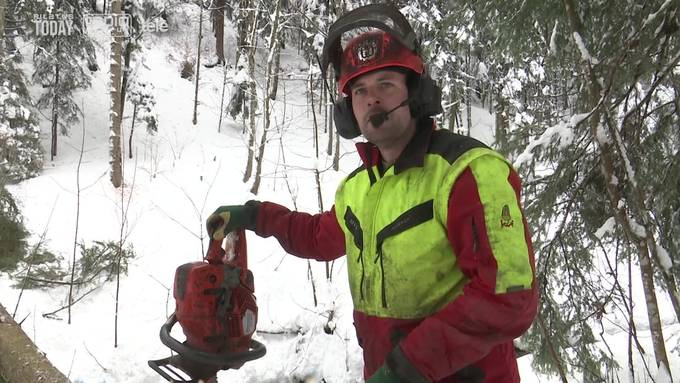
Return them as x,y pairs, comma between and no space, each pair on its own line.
343,116
427,96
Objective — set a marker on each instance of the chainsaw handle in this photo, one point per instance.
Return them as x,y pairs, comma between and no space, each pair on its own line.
225,359
217,250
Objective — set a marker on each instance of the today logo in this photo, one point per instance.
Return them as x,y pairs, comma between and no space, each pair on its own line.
61,24
53,24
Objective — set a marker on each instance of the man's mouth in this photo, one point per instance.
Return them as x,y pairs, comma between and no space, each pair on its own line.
372,113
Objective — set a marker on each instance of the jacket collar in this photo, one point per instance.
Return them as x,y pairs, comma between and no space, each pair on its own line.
413,154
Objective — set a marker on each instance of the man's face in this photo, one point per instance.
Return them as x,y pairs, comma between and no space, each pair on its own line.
381,91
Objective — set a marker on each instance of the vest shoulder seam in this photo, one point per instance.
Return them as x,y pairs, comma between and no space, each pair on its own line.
451,146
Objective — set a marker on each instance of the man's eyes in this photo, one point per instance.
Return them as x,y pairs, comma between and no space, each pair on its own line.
362,90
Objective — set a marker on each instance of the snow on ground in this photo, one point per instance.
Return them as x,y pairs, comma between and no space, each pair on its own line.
176,178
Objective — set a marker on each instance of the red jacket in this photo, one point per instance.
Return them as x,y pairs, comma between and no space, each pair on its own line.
475,330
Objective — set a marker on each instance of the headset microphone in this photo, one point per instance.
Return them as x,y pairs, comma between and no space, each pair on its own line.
379,118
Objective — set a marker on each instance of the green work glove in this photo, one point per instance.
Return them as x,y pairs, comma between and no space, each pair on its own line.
226,219
384,375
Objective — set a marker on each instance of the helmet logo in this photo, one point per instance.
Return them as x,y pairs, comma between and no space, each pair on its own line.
367,50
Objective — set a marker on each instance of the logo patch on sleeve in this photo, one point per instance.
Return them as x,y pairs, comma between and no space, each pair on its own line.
506,218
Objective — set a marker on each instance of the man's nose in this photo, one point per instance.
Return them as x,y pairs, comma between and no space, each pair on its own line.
372,98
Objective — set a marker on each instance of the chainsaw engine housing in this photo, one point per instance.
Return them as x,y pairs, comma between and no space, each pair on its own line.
216,306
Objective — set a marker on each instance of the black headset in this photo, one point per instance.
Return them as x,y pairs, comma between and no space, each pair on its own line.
424,101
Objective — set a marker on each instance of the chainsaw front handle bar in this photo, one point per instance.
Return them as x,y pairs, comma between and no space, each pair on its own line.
225,359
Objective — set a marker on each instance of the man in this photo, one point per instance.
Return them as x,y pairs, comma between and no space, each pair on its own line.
440,262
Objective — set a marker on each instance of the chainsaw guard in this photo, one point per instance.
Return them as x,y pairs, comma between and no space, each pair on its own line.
223,360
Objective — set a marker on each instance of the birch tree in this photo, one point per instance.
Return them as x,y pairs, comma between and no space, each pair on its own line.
116,155
252,90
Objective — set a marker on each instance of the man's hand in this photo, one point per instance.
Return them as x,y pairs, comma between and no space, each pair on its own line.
383,375
231,218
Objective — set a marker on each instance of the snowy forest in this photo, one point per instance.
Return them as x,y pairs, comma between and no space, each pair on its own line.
127,109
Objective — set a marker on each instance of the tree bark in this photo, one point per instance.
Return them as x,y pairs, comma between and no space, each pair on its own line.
55,113
21,360
243,26
130,45
116,77
252,97
132,130
502,124
198,63
3,4
272,69
218,29
277,65
468,93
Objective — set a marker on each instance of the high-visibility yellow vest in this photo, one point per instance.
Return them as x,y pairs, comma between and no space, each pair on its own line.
399,259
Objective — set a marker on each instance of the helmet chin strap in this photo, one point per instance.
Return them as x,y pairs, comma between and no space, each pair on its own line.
379,118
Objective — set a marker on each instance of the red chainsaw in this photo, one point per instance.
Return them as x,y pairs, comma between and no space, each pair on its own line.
216,308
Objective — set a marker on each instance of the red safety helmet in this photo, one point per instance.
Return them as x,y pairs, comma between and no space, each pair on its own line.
375,50
392,42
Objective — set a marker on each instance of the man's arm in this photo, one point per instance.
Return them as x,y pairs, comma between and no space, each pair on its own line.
304,235
499,300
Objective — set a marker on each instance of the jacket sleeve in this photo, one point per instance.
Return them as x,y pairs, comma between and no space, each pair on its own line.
488,232
304,235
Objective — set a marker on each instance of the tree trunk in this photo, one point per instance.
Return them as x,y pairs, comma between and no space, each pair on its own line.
453,108
3,4
116,77
218,29
468,93
243,26
132,131
198,63
277,65
269,85
21,360
502,125
224,86
336,157
252,96
55,113
316,140
129,47
330,122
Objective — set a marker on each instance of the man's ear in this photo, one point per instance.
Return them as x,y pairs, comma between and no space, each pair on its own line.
344,119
